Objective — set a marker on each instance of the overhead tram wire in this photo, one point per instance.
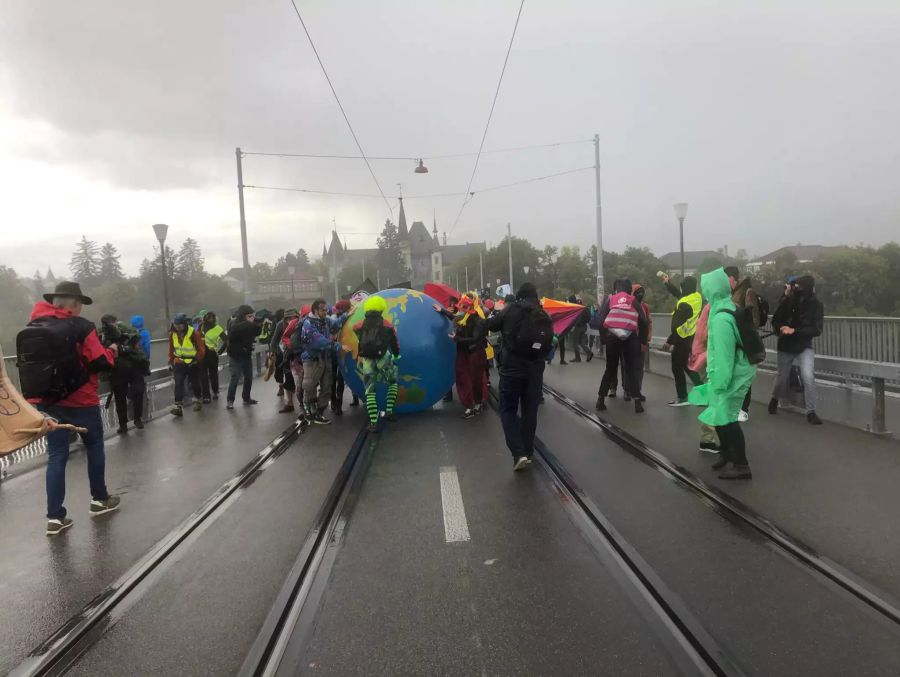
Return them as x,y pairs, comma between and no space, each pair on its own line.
469,194
341,106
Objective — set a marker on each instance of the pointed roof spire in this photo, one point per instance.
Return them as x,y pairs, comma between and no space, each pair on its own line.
434,231
402,230
324,249
336,247
50,276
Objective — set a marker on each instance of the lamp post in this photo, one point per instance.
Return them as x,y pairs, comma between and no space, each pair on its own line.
161,229
509,242
680,213
291,270
321,279
526,269
599,218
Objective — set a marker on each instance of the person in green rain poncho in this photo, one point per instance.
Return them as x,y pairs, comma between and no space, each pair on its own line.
729,376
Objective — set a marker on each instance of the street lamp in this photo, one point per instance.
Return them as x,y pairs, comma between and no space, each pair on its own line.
526,269
421,168
291,270
321,280
161,229
680,213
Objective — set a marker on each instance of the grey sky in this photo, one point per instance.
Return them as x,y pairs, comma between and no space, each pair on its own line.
776,121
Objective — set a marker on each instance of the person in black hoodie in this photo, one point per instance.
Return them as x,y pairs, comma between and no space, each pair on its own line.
242,333
688,305
798,319
623,332
579,333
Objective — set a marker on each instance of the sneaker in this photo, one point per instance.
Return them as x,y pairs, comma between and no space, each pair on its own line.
286,409
590,356
736,472
57,526
638,407
773,406
248,403
320,419
601,405
710,447
122,429
230,405
813,418
469,413
197,406
521,463
721,463
743,416
177,410
103,507
207,400
139,424
679,402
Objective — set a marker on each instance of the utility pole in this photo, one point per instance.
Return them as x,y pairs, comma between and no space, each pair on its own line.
378,279
509,242
601,286
467,278
334,275
481,266
240,178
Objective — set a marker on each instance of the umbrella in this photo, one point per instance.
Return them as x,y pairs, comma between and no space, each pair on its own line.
562,313
441,293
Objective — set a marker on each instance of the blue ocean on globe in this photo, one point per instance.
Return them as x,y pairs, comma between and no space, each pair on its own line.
428,353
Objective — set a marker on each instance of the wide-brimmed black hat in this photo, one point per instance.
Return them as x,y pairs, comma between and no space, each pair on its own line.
68,290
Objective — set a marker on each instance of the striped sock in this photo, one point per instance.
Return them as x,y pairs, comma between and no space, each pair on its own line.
372,406
391,398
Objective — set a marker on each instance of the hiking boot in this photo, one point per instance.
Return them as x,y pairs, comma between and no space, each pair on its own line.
743,416
813,418
773,406
248,403
736,472
710,447
103,507
521,463
139,424
286,409
601,405
122,429
319,419
58,525
469,413
177,410
679,402
638,407
590,356
720,463
197,405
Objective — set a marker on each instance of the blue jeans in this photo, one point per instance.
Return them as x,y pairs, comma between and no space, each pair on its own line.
58,455
807,363
240,366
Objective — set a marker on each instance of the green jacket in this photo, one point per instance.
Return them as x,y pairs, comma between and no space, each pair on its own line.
729,373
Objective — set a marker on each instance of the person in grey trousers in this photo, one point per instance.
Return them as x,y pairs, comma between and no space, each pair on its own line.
798,319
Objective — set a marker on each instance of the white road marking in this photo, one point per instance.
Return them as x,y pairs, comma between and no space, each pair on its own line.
456,529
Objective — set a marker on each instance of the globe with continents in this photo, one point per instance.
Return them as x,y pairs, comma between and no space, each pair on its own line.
428,353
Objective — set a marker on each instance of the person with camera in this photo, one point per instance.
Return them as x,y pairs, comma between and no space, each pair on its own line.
242,332
127,377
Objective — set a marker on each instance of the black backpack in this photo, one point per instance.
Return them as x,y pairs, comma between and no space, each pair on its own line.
373,340
47,356
751,342
763,307
532,336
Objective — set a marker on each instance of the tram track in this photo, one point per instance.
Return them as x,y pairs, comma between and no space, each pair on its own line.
737,512
58,652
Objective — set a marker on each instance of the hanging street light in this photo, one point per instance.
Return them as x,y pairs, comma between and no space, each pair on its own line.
421,169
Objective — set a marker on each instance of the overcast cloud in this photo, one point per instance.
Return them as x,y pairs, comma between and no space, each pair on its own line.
776,121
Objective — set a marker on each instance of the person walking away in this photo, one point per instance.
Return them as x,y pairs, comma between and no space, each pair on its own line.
744,296
292,360
317,349
241,336
798,319
379,351
60,356
186,354
127,377
283,356
137,321
729,375
684,326
337,320
579,333
623,331
638,292
279,324
215,341
527,340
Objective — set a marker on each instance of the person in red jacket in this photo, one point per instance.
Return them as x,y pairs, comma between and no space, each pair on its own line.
72,395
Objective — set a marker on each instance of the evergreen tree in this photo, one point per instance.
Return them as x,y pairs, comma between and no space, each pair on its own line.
38,283
85,262
302,259
110,268
389,259
189,261
151,268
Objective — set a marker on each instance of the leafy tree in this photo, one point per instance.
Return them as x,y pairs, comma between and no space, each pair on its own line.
261,271
15,308
110,268
85,262
152,267
389,259
189,260
708,264
575,274
38,282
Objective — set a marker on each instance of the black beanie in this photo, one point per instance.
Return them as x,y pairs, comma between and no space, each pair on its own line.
688,285
526,291
243,311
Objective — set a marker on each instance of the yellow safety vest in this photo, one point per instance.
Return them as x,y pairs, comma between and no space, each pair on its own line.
213,338
185,351
695,301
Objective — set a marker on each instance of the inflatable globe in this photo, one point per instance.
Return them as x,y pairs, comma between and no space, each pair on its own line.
428,353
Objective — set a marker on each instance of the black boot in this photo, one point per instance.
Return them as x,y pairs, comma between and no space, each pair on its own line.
773,406
601,405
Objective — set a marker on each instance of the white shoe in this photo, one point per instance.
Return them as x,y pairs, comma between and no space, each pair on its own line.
743,416
521,463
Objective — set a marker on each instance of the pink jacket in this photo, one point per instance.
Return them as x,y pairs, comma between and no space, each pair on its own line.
697,360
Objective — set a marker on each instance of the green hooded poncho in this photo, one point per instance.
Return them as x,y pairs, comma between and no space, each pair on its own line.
729,373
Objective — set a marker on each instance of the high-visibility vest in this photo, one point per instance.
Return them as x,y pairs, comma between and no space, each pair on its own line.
695,301
184,350
213,338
